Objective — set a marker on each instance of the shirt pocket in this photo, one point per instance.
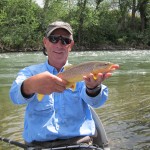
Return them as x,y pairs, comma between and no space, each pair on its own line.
74,105
44,106
73,96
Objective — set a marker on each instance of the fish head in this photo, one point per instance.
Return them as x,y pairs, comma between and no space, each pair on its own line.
104,67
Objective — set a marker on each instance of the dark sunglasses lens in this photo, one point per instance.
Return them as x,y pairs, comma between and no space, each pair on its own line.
53,39
65,41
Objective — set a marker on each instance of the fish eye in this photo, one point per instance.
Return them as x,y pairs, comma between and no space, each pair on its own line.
105,64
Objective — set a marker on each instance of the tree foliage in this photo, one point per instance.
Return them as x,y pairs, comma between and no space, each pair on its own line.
95,23
19,22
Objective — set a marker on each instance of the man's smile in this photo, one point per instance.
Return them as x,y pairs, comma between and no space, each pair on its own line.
58,52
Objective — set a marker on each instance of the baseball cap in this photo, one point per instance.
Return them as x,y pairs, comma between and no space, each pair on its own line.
58,25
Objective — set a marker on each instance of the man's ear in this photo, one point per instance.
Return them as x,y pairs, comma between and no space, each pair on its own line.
71,45
44,41
44,46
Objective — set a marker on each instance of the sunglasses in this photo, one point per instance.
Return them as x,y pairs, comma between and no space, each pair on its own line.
55,38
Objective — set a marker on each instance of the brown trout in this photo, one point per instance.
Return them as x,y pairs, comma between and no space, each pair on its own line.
73,74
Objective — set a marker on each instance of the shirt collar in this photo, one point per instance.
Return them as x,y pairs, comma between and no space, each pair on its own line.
52,69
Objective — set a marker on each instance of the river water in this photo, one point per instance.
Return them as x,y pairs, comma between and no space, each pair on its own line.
126,114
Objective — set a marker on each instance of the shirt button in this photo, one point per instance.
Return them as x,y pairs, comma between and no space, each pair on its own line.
57,127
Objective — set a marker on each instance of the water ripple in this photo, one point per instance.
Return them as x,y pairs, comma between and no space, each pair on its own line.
126,114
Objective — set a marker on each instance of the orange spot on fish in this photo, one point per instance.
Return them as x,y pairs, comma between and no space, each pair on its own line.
72,87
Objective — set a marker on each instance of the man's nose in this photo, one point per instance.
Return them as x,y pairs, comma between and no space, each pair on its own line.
60,43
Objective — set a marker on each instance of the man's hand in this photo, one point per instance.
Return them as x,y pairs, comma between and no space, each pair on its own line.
91,83
43,83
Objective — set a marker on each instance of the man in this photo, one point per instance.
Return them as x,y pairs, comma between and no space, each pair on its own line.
62,113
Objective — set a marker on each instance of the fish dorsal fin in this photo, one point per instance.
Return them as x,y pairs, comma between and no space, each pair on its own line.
67,66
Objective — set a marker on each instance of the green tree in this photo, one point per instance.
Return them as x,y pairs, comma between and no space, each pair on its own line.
95,22
21,21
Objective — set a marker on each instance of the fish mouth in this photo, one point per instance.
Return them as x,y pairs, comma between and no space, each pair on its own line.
114,67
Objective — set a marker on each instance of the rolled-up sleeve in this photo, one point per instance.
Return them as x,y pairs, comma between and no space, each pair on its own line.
98,100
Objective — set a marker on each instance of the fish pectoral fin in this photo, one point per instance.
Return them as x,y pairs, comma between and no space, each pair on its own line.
95,76
40,97
71,85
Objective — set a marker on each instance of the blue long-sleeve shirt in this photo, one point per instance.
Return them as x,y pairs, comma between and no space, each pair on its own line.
58,115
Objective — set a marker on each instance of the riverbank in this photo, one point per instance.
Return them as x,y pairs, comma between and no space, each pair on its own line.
102,47
105,47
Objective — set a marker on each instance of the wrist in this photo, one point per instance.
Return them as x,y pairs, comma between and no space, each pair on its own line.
24,93
93,91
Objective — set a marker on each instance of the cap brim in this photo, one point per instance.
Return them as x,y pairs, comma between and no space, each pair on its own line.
49,33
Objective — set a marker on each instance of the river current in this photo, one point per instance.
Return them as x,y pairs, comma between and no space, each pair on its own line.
125,115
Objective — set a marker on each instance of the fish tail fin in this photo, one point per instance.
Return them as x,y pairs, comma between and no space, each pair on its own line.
40,97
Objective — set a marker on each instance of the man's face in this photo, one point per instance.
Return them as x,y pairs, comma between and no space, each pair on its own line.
57,51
